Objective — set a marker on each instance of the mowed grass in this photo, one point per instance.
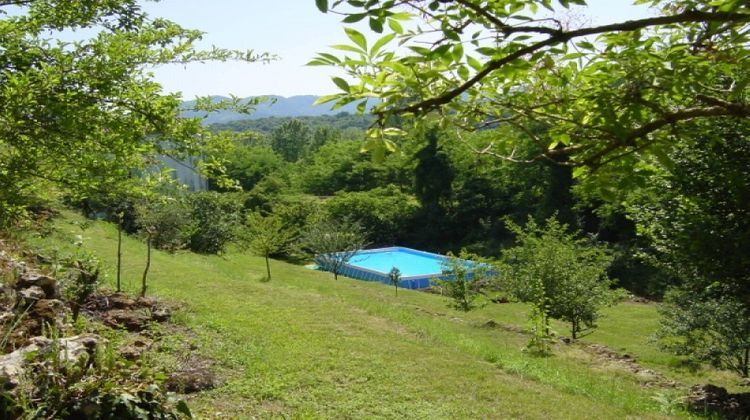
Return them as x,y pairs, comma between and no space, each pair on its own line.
304,345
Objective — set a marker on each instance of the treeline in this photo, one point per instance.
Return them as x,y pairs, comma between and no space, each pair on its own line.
340,121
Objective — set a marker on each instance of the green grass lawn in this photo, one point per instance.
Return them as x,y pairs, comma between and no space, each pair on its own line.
304,345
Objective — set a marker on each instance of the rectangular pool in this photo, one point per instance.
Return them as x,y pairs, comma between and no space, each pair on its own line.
417,267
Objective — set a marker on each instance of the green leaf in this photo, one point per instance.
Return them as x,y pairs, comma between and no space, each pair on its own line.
376,25
342,84
463,72
486,51
326,98
474,63
381,43
344,47
354,17
395,26
322,5
183,409
357,38
458,52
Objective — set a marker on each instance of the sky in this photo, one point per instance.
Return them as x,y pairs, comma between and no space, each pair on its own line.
295,31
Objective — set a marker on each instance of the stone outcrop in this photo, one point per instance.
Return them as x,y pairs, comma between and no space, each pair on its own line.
69,350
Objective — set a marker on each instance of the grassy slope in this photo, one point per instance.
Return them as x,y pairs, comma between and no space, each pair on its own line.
305,345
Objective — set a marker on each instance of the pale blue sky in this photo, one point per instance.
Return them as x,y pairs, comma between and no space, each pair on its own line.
292,29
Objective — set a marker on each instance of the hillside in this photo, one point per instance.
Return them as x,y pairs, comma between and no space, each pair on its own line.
306,345
277,106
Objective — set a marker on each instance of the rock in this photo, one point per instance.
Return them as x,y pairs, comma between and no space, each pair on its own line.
48,284
49,310
491,324
146,302
120,301
500,299
712,399
161,314
71,349
190,380
31,294
134,350
130,320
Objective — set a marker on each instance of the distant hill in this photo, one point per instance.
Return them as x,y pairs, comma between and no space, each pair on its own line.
293,106
340,121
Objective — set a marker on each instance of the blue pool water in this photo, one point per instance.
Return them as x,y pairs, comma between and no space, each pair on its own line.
418,268
410,262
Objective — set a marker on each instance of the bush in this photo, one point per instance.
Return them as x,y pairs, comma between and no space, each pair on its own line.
341,166
100,387
708,326
385,212
170,220
464,278
333,243
215,217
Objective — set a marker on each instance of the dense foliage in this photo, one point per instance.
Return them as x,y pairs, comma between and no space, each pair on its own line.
697,220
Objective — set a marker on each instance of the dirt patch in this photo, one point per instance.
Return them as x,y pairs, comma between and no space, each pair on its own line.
714,400
649,377
491,324
194,376
118,310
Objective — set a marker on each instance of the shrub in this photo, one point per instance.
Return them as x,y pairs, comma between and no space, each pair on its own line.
168,218
333,243
464,275
386,212
709,326
215,217
81,280
562,275
100,387
267,235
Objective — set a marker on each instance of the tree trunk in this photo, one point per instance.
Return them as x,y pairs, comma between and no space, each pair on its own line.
574,329
148,264
268,269
335,275
745,370
119,254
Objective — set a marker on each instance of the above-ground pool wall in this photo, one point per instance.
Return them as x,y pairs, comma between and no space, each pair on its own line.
418,282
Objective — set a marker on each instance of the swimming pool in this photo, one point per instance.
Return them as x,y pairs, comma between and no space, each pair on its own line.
417,267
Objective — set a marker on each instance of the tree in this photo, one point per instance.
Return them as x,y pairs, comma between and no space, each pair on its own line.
248,165
386,212
712,326
267,235
695,217
395,278
215,217
560,274
94,97
462,280
290,139
607,97
333,243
